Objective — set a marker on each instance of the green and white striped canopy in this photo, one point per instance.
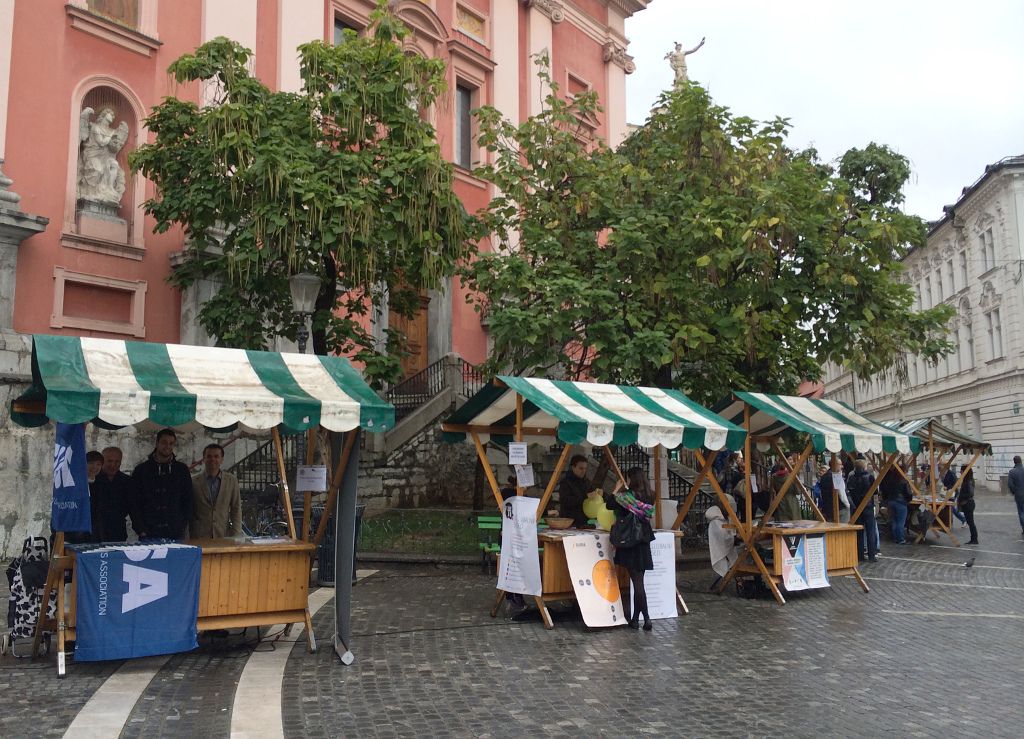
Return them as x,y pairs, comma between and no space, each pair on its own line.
595,413
942,435
123,383
832,426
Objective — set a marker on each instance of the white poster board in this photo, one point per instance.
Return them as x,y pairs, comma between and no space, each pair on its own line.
660,583
594,578
803,562
520,563
311,478
517,453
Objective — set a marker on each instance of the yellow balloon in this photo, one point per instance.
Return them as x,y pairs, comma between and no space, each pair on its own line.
592,506
605,519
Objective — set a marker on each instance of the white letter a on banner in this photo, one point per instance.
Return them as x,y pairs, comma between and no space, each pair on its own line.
144,586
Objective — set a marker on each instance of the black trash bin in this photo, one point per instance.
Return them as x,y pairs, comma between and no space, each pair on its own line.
325,553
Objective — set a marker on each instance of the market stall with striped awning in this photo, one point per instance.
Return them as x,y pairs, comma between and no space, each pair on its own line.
114,383
526,409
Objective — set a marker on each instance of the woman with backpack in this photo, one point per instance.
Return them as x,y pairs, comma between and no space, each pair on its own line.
632,535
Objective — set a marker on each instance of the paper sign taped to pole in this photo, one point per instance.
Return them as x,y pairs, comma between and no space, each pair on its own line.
524,475
517,453
311,478
594,578
520,563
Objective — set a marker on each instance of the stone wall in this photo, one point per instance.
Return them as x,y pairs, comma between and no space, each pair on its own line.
425,472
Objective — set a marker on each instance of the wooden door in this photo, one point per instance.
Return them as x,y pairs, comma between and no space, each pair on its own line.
415,330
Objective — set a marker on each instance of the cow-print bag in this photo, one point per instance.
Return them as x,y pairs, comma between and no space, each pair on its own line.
26,576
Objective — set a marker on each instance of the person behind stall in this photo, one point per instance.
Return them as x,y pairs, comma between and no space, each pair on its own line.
949,483
896,493
111,497
161,492
93,465
637,501
966,501
857,486
510,488
216,500
789,508
573,490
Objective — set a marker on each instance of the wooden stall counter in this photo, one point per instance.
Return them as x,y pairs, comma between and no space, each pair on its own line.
245,583
840,548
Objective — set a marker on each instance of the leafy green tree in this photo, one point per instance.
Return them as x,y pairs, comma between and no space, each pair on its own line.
343,179
704,254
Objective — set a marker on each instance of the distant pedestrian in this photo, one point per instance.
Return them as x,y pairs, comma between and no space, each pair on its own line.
1016,485
966,500
857,486
896,494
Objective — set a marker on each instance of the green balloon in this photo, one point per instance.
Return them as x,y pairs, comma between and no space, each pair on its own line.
605,519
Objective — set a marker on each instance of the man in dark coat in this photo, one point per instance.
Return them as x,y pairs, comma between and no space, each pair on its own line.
162,493
857,486
111,494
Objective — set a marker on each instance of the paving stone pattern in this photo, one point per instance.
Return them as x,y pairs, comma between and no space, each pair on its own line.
431,662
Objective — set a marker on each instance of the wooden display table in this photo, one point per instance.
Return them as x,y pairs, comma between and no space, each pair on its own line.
942,509
556,582
840,550
243,584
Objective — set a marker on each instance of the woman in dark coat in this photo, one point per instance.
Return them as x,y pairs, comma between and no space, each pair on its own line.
965,501
637,501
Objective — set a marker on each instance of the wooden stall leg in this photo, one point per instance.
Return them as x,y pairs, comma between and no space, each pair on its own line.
310,637
544,614
682,603
54,579
863,585
498,600
62,667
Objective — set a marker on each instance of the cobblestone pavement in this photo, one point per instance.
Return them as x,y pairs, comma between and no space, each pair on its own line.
936,648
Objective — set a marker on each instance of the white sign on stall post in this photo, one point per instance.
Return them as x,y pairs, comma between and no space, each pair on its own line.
311,478
517,453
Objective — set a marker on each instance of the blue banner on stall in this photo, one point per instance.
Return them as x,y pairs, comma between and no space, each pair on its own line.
70,509
136,601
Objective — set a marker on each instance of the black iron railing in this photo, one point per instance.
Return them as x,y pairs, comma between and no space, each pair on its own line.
258,475
415,391
473,379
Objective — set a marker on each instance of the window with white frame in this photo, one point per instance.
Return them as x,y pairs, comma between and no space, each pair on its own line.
951,278
988,249
464,143
939,297
920,305
912,371
969,343
928,291
956,358
963,269
995,333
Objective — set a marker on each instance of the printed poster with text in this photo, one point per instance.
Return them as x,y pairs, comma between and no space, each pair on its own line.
520,563
803,562
660,583
594,578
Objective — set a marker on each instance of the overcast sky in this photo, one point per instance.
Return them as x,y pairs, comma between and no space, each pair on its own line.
941,82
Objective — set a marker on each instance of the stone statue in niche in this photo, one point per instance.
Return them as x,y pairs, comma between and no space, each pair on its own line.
100,177
677,60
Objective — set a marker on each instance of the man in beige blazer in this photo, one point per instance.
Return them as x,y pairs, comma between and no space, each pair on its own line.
218,502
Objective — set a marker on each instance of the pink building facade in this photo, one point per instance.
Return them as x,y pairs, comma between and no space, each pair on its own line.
97,269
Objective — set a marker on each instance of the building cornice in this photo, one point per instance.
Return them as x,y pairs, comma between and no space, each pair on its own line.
627,7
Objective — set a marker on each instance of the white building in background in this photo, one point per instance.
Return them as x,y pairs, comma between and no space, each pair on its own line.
973,260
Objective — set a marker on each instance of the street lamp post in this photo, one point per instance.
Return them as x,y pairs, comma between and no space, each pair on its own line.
304,288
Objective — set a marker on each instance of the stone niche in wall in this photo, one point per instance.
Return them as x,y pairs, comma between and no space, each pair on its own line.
104,195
